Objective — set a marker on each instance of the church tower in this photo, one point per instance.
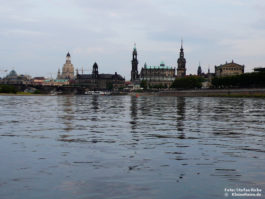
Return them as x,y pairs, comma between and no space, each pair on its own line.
95,71
199,71
181,70
58,74
134,71
68,68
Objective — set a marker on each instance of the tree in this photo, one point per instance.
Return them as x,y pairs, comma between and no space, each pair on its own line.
144,84
247,80
109,86
189,82
7,89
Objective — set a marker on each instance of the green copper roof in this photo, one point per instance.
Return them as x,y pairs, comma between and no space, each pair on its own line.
159,67
12,73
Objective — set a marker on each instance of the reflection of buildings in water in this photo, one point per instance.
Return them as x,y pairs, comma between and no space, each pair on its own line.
199,113
95,108
181,116
199,108
228,109
146,106
228,112
95,104
68,115
134,111
240,108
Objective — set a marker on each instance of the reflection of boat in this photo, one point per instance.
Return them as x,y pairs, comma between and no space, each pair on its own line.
56,92
88,93
97,93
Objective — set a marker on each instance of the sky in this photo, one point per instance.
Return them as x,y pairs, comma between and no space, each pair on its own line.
35,35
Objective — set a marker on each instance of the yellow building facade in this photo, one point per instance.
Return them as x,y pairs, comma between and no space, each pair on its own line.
229,69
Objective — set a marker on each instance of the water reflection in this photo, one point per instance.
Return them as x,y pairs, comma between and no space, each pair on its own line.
95,103
67,114
181,115
134,111
128,147
232,115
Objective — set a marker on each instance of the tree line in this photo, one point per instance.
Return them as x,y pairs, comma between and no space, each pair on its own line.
247,80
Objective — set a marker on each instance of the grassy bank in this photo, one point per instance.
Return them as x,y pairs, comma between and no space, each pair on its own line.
237,95
21,94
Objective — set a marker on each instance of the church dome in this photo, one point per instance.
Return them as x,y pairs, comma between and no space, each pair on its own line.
12,73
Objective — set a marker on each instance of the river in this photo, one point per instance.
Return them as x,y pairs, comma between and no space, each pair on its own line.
97,147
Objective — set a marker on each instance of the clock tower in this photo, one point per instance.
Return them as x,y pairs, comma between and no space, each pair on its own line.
181,70
134,71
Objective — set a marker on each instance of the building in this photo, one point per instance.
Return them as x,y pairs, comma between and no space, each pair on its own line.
259,69
229,69
181,70
55,82
207,77
134,71
199,71
96,81
37,81
14,78
161,75
67,70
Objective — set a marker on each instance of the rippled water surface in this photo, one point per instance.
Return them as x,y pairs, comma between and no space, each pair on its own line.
88,147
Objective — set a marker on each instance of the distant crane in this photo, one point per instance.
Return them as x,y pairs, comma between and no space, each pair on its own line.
82,70
3,71
51,75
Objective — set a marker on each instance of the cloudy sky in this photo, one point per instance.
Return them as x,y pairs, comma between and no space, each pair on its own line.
35,35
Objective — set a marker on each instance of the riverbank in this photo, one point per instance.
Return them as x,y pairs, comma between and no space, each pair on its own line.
22,94
260,93
207,93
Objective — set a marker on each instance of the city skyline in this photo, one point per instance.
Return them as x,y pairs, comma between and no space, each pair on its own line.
36,35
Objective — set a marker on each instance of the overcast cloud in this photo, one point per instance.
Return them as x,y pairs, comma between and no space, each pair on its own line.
35,35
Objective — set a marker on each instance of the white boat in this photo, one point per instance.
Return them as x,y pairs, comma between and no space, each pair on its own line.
88,92
56,93
97,93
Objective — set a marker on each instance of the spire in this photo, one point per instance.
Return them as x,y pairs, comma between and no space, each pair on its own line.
181,43
181,71
134,52
134,49
199,71
181,50
68,55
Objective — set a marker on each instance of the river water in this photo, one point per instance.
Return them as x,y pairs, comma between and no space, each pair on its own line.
95,147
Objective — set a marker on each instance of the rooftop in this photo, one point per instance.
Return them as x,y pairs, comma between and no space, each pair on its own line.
161,66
